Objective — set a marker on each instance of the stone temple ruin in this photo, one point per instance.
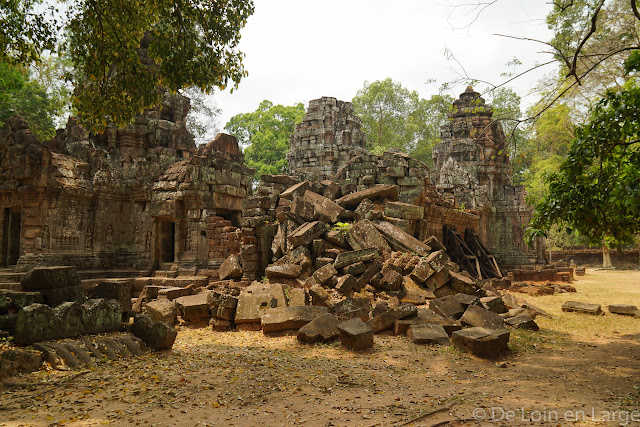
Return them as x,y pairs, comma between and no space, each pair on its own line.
143,216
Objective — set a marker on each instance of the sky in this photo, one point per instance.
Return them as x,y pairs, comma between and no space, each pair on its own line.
300,50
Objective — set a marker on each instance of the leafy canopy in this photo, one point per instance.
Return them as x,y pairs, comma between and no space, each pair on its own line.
597,190
184,43
265,134
21,94
394,116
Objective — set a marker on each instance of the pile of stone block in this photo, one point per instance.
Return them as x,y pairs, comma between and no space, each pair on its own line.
350,267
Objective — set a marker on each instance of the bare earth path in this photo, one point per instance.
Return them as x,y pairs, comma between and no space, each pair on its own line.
578,370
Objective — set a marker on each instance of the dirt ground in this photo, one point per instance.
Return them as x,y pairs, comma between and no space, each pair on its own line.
577,370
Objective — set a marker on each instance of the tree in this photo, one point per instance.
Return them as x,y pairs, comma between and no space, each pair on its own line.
22,95
122,50
265,134
202,119
393,116
597,190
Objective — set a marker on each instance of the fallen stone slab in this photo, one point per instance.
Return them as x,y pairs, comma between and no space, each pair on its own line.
439,280
355,269
40,278
462,283
624,309
355,334
481,342
116,289
162,310
12,301
438,260
379,191
274,289
448,306
39,322
223,306
323,328
522,322
351,257
194,308
156,335
434,243
296,190
289,318
401,241
325,209
391,280
173,292
494,304
25,360
352,307
404,211
251,307
364,235
414,294
387,319
297,297
230,268
285,271
345,284
582,307
421,272
324,273
365,209
466,300
302,209
305,234
428,333
400,326
481,317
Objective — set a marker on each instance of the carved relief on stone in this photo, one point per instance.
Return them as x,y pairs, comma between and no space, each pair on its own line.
46,238
108,238
88,238
137,237
147,241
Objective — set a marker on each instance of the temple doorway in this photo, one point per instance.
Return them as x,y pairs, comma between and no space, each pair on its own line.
12,225
167,241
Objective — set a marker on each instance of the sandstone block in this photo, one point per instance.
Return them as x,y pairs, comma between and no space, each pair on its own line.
494,304
305,234
481,317
351,257
522,322
40,278
448,306
582,307
401,241
355,334
428,333
324,273
387,319
286,271
289,318
157,335
323,328
352,200
481,342
162,310
230,268
624,309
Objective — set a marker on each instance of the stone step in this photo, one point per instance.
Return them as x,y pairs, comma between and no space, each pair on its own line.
177,282
10,276
11,286
77,353
165,273
110,274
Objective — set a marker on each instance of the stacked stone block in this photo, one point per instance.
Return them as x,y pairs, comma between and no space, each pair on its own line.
223,239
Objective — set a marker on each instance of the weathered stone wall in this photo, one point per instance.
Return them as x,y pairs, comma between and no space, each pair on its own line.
120,198
328,137
472,166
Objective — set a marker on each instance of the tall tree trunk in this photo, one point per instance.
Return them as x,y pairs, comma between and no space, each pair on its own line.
606,256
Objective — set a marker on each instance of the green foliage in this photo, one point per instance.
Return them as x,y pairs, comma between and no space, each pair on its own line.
202,120
187,43
393,116
24,35
265,134
342,226
22,95
597,190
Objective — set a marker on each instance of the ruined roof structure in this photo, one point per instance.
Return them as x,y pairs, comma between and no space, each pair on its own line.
472,164
328,137
136,196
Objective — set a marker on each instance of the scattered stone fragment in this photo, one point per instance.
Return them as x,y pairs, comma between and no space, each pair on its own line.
364,234
582,307
391,281
324,273
438,280
194,308
296,190
324,208
222,306
494,304
230,268
352,307
414,294
162,310
289,318
387,319
448,306
355,269
355,334
421,272
428,333
379,191
466,300
364,209
459,282
251,307
624,309
157,335
481,317
286,271
297,297
345,284
522,322
404,211
434,244
319,295
351,257
323,328
25,360
305,234
401,241
40,278
481,342
438,260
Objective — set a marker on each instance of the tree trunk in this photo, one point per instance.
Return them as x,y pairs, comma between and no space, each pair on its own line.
606,257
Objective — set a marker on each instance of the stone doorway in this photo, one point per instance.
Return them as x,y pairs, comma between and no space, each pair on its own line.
12,225
166,241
